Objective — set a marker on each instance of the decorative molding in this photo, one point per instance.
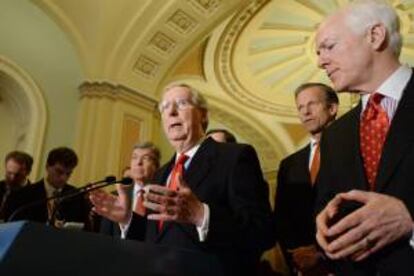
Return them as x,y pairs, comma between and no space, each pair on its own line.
205,6
226,73
146,67
30,105
182,22
116,92
162,43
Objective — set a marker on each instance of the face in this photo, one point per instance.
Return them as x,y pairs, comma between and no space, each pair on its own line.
16,174
58,175
143,165
345,56
182,121
218,137
314,113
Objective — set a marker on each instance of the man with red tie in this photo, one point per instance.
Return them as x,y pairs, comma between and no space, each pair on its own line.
317,106
145,160
210,196
365,187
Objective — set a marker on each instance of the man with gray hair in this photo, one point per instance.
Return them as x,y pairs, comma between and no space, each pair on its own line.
365,189
210,196
145,160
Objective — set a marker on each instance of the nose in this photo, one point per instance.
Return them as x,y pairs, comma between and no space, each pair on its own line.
322,60
171,109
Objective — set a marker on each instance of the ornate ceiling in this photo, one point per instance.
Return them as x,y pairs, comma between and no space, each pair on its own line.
249,55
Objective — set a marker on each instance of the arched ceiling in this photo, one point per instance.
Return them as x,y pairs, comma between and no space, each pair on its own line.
136,42
248,56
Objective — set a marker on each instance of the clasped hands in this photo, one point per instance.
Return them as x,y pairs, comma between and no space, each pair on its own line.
380,221
181,205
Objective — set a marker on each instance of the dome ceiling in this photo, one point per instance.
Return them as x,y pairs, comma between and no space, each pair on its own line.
268,50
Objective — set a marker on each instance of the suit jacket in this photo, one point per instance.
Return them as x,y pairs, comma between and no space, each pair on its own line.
74,209
228,178
5,209
294,203
342,170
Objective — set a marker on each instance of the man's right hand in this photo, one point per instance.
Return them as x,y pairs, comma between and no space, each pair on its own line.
112,207
305,258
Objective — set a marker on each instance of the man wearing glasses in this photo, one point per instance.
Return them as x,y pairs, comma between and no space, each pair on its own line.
213,200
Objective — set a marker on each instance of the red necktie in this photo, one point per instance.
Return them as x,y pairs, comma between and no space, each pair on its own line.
139,204
314,169
173,183
373,131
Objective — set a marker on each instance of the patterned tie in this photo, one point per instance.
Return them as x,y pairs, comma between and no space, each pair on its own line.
139,204
173,183
373,131
316,160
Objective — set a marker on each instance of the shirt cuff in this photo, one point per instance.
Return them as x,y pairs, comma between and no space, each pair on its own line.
412,239
124,227
203,229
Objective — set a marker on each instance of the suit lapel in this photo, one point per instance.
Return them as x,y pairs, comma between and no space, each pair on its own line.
200,164
361,181
193,175
303,160
400,136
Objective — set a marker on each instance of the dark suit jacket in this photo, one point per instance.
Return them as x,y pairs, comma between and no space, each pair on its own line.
342,170
294,203
6,207
228,178
74,209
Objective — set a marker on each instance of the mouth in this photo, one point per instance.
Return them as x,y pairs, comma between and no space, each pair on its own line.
175,125
330,73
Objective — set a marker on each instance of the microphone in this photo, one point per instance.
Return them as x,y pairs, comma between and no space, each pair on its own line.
109,180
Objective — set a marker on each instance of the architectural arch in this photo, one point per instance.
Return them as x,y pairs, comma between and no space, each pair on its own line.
23,113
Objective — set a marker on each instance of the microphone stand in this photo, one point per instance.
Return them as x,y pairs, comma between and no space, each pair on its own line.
110,180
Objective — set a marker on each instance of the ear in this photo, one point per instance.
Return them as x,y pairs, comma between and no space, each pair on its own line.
377,36
333,109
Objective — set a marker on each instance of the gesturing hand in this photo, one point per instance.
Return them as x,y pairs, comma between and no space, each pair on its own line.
112,207
181,206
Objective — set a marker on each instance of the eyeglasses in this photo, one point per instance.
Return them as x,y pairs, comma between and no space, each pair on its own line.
180,104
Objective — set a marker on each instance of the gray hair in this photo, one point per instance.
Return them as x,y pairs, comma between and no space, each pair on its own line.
362,14
197,98
155,151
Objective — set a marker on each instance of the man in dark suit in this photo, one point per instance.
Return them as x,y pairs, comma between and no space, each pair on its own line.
18,166
221,135
145,160
212,196
59,166
365,187
317,106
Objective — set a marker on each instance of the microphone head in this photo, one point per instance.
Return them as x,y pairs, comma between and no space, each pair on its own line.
126,181
110,179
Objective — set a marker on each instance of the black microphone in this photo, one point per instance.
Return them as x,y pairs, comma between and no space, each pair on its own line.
109,180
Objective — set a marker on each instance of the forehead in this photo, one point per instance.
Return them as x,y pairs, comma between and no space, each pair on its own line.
177,92
142,152
13,164
310,93
330,29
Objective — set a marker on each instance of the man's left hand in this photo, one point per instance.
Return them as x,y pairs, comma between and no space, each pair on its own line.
181,206
381,220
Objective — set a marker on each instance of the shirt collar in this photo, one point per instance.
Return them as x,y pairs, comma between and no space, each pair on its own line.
392,87
50,189
190,153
